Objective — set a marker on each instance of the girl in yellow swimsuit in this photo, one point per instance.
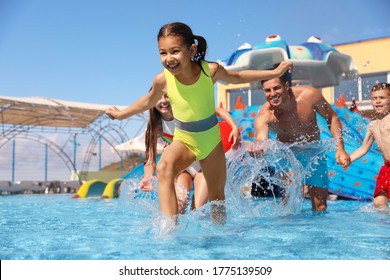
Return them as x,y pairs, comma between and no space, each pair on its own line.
160,129
188,80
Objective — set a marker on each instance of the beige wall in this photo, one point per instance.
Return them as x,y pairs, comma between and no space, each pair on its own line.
370,56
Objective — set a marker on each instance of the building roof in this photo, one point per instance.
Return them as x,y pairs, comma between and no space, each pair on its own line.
41,111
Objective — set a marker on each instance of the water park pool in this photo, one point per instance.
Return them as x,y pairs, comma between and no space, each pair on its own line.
56,227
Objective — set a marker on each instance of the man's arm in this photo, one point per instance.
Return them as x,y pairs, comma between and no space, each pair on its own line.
261,125
335,127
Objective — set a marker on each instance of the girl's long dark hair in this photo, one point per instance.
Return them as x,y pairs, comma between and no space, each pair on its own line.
185,33
153,131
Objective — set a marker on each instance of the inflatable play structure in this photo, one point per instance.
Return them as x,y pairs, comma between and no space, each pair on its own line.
314,61
99,189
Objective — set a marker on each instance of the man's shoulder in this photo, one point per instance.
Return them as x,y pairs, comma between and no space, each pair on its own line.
266,107
307,93
304,89
265,113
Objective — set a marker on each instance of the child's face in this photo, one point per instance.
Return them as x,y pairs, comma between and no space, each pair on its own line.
164,107
174,55
380,100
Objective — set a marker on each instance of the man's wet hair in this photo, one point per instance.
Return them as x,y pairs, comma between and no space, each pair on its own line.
286,77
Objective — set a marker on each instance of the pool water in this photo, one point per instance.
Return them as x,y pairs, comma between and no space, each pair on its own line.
56,227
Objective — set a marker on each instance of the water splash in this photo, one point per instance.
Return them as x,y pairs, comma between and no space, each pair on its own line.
243,169
146,204
277,165
137,201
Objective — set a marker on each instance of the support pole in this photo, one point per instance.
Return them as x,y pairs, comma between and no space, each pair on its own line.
13,161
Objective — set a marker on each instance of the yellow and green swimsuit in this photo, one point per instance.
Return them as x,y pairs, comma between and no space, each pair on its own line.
193,107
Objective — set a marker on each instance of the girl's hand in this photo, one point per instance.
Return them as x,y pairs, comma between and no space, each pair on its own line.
284,66
235,137
112,112
146,184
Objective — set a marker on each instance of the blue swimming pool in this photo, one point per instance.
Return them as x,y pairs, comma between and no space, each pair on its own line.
56,227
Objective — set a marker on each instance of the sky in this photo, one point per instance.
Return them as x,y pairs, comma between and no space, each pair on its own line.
105,51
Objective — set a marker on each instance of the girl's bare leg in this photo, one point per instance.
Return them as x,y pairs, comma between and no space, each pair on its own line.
184,180
175,158
200,191
214,170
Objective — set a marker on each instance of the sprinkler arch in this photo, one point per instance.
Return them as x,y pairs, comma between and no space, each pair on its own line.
42,140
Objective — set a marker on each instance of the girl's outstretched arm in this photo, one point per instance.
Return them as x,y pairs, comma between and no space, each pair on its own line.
143,103
246,76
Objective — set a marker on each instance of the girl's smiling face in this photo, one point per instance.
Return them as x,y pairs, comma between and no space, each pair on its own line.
164,107
174,55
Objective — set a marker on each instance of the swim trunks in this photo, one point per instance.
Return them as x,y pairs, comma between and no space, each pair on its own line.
316,173
383,180
193,106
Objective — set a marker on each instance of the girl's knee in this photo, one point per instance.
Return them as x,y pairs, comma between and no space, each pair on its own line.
164,169
161,166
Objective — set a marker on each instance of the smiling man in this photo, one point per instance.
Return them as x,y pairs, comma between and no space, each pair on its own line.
291,113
